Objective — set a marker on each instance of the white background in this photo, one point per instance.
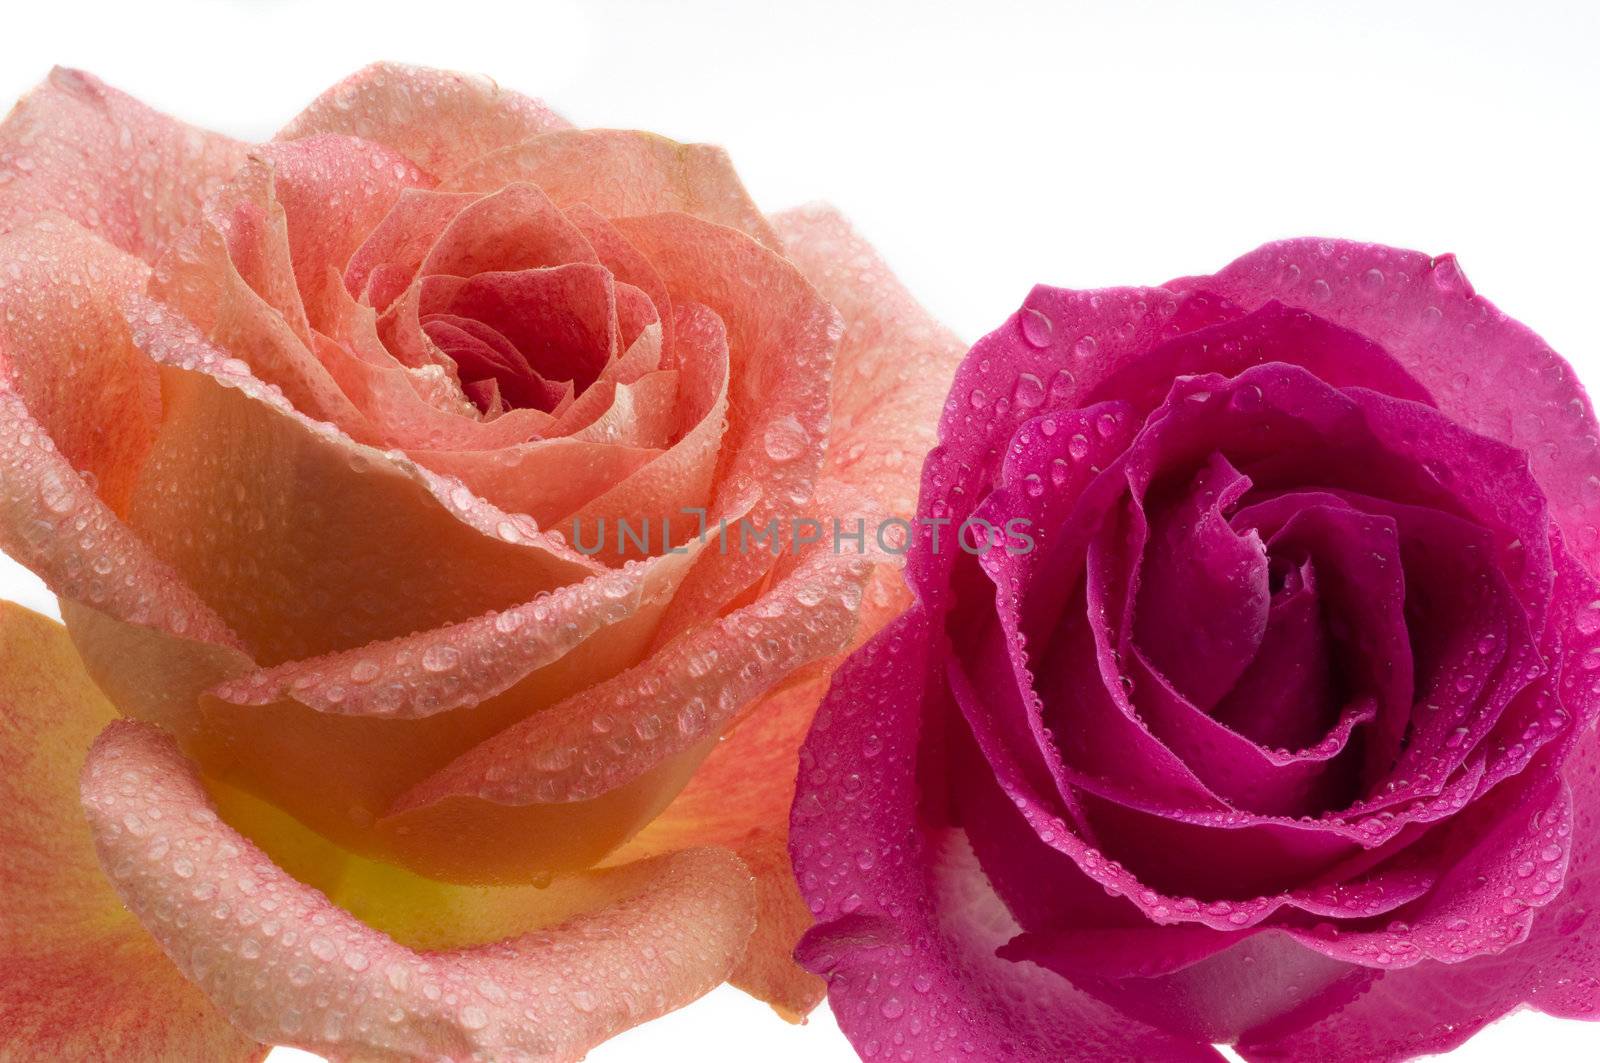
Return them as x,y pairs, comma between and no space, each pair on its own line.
984,147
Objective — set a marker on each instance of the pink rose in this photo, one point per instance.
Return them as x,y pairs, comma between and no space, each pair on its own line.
1281,733
323,444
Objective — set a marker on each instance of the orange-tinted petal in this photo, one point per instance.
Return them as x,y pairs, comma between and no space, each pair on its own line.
438,119
622,172
643,413
286,965
458,666
678,698
232,276
52,521
626,262
894,363
739,797
516,228
396,246
768,971
78,147
303,541
390,713
79,978
334,190
658,492
746,785
781,339
64,348
417,407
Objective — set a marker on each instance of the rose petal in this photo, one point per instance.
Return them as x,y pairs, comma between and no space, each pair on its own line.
672,703
1203,596
232,276
1223,985
740,797
1505,856
1065,342
81,978
1270,333
908,925
1284,700
562,319
1363,586
438,119
894,361
419,407
550,477
290,967
1433,1007
391,253
390,713
446,555
781,339
626,263
65,349
620,172
334,191
1487,372
78,147
669,487
514,229
768,970
99,562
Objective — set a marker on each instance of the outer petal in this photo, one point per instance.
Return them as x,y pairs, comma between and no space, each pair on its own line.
674,701
287,965
768,970
285,508
52,522
908,924
438,119
1487,372
894,361
79,978
391,712
78,147
623,172
64,348
740,797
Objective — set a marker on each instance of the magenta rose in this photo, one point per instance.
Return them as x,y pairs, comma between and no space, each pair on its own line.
1271,728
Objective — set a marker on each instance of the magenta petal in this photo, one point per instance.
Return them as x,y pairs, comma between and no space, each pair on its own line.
1434,1007
907,926
1273,333
1203,596
1198,983
1058,346
1284,700
1486,371
1363,589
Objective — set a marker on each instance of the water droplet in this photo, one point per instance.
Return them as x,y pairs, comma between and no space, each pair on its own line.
785,439
1037,329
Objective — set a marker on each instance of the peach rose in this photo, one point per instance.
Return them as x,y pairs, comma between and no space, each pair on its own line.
324,445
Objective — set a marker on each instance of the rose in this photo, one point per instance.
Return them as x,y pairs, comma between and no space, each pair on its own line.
1280,736
314,439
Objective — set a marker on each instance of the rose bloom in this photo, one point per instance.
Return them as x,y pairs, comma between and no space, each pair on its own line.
1280,736
299,433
